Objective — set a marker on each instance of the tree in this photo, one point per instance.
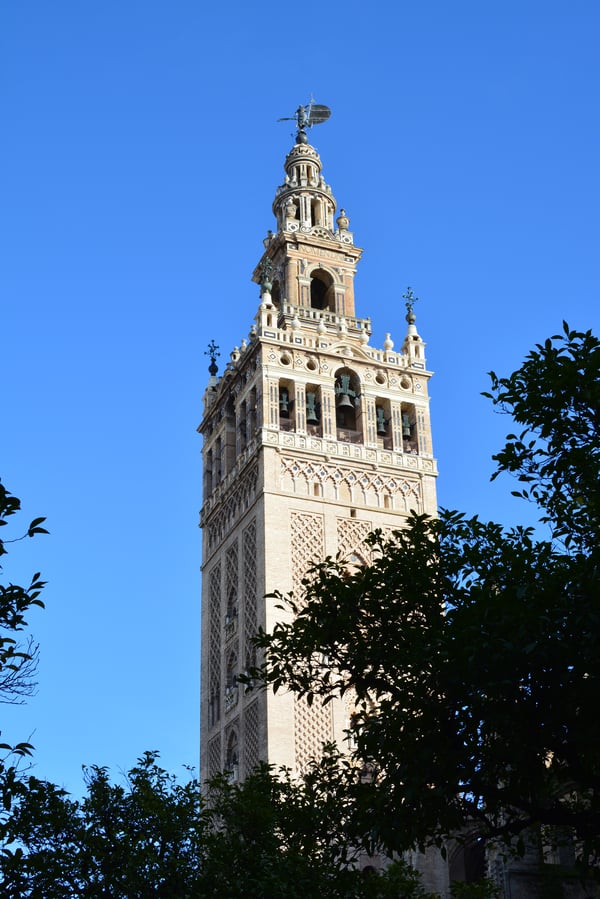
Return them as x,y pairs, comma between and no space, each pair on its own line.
470,651
140,839
154,837
18,659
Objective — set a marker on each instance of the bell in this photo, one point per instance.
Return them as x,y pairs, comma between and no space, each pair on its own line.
406,428
381,422
344,401
312,415
284,403
344,393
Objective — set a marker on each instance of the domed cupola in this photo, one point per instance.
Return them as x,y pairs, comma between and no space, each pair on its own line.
304,202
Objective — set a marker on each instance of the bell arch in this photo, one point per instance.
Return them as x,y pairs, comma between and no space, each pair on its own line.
322,290
348,418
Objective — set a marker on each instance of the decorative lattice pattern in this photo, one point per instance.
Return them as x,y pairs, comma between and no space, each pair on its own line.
351,535
341,482
312,728
231,579
312,724
214,756
249,586
234,504
214,643
307,545
251,751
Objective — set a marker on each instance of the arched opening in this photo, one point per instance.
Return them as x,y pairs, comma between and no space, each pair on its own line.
383,423
287,416
466,863
313,410
232,609
252,414
208,474
410,443
347,407
218,470
322,294
231,681
232,760
316,212
230,447
276,293
242,426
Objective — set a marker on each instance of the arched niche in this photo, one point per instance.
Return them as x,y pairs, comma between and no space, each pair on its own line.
322,291
347,406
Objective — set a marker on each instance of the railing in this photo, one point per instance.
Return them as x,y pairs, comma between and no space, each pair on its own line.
345,435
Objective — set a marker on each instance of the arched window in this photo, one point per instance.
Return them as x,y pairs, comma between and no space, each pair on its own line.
242,426
276,293
410,443
208,474
383,423
230,447
313,410
287,416
466,862
347,407
232,760
322,294
231,681
316,212
218,471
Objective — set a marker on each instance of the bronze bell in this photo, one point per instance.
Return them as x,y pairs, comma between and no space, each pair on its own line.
406,428
344,401
344,393
312,415
381,422
284,403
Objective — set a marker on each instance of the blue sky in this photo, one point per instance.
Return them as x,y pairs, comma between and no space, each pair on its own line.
138,164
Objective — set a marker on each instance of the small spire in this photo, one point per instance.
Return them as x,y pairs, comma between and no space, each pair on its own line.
213,352
411,299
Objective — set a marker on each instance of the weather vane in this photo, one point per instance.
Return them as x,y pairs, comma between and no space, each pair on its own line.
307,116
411,299
213,352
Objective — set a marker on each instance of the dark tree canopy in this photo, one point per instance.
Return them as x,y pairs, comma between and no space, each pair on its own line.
18,656
155,838
471,650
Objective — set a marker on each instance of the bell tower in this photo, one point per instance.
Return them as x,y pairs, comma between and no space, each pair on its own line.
312,438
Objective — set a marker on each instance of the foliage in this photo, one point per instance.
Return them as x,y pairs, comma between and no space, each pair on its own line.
278,837
555,394
482,890
154,837
140,839
18,659
469,650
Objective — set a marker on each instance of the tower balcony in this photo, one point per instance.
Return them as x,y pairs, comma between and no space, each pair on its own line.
350,444
329,322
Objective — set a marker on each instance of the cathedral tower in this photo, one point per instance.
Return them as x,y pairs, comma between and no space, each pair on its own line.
312,439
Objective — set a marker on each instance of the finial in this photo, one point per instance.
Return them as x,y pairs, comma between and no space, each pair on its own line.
267,274
342,220
213,352
307,116
411,299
